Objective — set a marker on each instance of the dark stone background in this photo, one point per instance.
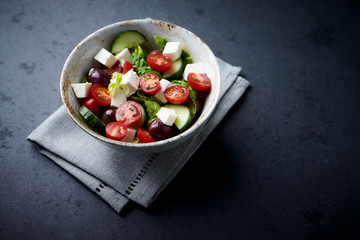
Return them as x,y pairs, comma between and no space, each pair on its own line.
283,164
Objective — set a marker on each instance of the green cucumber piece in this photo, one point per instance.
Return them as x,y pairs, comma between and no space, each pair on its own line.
184,117
142,120
127,39
176,71
92,120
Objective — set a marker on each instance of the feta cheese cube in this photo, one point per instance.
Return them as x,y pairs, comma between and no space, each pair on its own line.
130,135
193,67
167,115
172,50
124,56
82,90
105,58
118,98
164,84
130,82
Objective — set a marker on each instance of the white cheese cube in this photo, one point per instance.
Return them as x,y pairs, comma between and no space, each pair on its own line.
167,115
172,50
130,82
130,135
118,98
82,90
164,84
105,58
193,67
124,56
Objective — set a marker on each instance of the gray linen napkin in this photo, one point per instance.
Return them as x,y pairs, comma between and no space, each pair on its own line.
118,177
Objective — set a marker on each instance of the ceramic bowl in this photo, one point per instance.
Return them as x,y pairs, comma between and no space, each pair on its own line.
81,59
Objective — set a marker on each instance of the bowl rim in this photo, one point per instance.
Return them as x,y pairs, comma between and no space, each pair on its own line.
194,127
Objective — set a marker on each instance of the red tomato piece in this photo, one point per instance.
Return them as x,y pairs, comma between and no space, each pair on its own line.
159,62
199,81
127,67
128,113
144,136
149,83
90,104
116,130
176,94
100,94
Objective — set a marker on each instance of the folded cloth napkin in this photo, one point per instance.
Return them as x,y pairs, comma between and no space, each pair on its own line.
118,177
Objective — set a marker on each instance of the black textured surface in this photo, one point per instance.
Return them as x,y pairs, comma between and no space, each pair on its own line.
283,164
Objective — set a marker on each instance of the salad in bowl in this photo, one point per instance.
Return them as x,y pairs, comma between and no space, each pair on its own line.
141,84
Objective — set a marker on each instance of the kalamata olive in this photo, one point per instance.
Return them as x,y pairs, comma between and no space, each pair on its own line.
159,131
98,76
155,52
108,71
109,115
117,67
203,94
199,106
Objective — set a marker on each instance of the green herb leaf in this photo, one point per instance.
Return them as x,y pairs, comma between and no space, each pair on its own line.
136,98
151,109
185,56
161,42
84,79
139,62
115,82
142,97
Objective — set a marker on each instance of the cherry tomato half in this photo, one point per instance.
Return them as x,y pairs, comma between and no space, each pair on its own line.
176,94
199,81
144,136
116,130
90,104
128,113
127,67
149,83
159,62
100,94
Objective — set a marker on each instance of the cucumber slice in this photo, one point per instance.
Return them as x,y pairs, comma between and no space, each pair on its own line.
127,39
183,118
92,120
142,120
176,71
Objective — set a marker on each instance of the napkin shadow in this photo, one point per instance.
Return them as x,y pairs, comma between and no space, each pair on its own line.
203,178
207,175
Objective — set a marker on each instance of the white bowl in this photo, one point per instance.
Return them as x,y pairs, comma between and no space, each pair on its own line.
81,59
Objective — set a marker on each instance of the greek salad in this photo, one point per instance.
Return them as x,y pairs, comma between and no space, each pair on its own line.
140,94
